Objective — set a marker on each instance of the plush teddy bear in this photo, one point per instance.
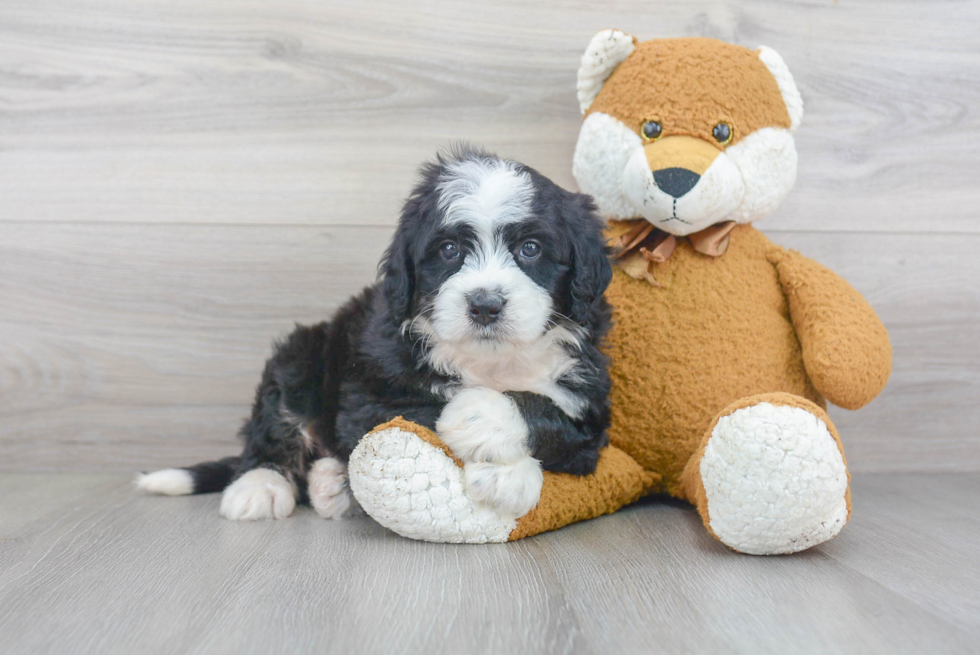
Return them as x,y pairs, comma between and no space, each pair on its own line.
724,346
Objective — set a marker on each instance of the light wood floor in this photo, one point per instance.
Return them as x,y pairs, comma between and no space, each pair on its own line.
86,566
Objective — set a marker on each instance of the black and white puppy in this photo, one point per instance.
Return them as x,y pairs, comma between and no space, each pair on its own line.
485,326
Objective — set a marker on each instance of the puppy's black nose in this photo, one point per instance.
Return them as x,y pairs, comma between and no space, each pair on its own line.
675,181
485,306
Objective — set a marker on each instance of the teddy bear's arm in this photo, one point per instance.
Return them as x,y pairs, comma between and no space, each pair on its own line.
846,349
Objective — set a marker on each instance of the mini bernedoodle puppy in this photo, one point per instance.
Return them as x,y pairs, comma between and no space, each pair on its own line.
485,325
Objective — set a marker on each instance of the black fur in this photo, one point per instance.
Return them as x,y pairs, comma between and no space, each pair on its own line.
339,379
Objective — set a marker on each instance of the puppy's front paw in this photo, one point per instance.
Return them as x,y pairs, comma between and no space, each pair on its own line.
483,425
327,488
509,488
258,494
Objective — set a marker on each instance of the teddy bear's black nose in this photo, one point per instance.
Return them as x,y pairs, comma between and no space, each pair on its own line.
675,181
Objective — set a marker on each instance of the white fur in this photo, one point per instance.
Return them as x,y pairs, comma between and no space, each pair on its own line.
167,482
535,366
744,183
767,160
483,425
258,494
415,490
327,487
607,50
485,429
787,85
492,267
775,480
487,195
522,350
484,193
604,147
511,489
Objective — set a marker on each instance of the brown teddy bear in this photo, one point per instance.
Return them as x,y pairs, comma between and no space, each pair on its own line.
725,345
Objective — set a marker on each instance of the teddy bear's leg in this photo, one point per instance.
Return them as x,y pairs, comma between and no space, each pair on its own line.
408,481
770,476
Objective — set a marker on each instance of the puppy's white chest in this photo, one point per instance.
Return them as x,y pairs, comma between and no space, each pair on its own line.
524,371
535,367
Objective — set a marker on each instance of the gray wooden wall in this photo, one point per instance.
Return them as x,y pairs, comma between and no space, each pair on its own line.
182,180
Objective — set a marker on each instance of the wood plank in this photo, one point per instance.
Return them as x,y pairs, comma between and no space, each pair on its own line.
114,572
895,550
124,347
319,113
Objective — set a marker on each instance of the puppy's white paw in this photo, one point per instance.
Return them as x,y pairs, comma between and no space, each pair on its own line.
259,494
512,489
327,486
483,425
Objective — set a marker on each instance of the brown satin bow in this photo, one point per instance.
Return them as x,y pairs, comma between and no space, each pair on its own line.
655,245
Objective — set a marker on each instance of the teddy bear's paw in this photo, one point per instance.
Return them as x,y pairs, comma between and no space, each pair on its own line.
775,480
413,488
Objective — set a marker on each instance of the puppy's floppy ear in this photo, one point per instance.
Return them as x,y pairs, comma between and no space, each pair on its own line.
399,278
591,270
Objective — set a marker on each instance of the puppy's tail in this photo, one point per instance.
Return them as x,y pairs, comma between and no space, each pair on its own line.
203,478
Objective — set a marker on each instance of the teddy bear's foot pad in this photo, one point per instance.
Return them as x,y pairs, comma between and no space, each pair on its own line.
775,480
415,489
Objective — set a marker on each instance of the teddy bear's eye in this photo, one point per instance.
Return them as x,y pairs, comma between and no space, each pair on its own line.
652,130
723,133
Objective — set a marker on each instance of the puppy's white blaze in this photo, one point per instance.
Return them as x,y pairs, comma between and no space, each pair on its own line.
484,193
526,312
327,486
167,482
258,494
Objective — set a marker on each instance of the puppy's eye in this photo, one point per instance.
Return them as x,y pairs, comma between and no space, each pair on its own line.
723,133
449,251
652,130
530,249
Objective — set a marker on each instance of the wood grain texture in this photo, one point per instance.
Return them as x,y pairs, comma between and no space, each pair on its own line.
131,346
318,112
91,567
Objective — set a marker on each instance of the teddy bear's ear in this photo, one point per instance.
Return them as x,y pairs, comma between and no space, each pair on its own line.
608,49
787,86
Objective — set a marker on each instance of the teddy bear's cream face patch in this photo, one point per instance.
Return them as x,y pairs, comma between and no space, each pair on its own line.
685,132
742,183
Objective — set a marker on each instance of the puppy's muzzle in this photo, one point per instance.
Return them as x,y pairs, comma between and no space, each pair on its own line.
485,307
